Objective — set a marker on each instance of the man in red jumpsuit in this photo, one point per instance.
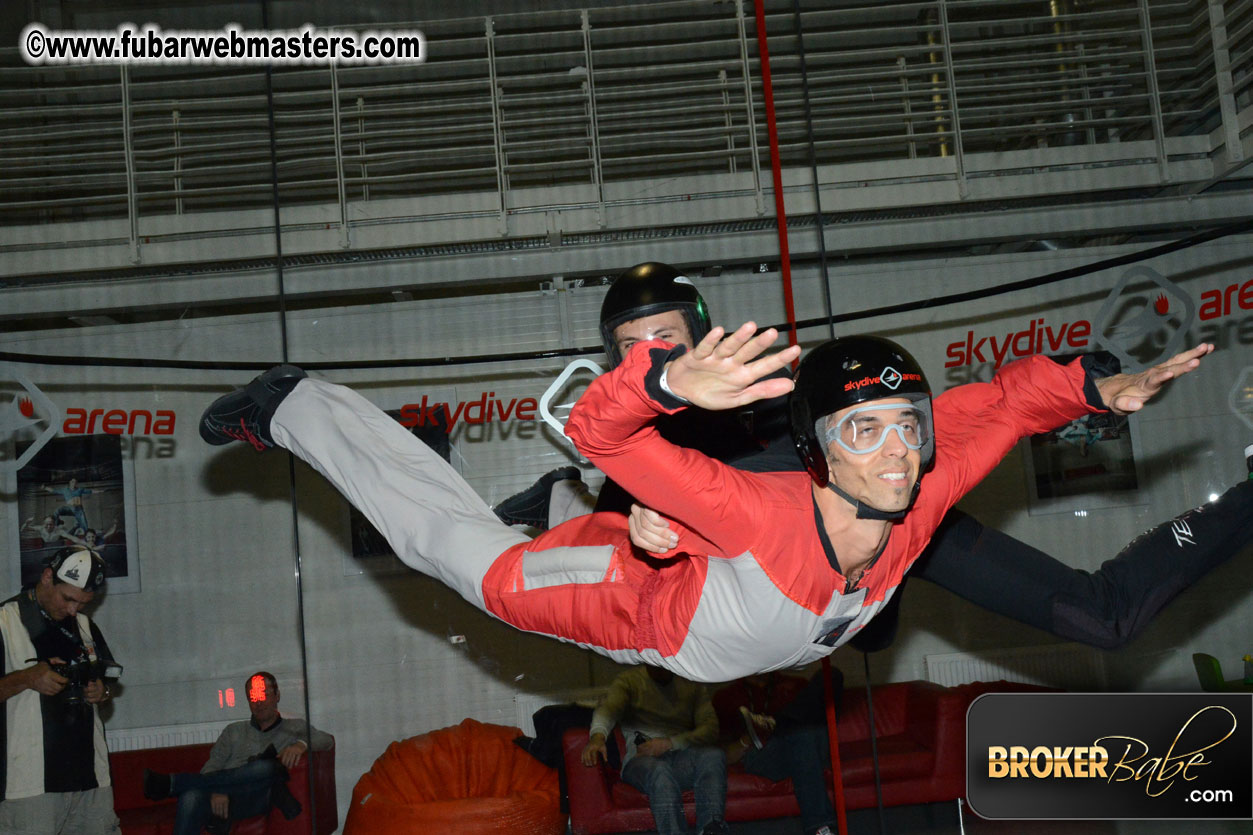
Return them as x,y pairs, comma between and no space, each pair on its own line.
771,570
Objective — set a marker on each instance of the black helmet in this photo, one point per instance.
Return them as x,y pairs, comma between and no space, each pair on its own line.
647,289
843,373
77,566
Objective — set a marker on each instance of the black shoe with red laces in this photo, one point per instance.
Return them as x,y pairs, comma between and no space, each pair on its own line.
245,413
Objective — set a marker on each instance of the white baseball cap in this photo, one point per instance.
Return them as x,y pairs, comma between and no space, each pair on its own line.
82,569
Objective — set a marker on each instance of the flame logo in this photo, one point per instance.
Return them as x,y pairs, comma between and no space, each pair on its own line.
1161,305
26,407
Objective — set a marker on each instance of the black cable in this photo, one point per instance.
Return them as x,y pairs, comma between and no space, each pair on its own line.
1039,281
813,168
874,748
291,459
1225,230
427,362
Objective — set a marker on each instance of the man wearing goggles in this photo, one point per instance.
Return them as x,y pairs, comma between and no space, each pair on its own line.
866,428
779,571
1105,608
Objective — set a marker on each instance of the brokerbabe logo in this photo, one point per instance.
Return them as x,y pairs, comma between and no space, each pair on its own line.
26,414
1110,756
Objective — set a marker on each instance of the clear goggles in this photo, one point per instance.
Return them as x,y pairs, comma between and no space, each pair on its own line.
866,428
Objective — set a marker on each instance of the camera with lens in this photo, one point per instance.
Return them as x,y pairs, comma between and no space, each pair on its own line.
81,672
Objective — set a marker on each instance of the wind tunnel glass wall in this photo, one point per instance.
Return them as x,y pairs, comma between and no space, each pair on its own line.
111,354
447,233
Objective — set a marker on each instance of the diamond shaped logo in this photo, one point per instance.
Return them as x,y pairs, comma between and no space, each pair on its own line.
1144,319
26,413
890,377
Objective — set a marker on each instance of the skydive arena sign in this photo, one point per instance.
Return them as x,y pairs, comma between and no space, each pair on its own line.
1110,756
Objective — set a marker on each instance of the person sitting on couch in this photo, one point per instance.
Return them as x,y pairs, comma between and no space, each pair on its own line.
775,725
671,734
247,768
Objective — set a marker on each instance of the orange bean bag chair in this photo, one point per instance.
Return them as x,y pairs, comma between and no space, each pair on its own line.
462,780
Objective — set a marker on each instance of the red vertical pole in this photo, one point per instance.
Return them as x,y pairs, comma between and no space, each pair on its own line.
776,173
833,740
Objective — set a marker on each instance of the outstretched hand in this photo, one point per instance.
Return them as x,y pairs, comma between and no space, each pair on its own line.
725,373
1127,393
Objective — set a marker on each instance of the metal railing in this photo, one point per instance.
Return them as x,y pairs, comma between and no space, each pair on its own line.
588,99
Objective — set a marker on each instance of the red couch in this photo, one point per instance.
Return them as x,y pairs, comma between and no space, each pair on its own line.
921,739
141,816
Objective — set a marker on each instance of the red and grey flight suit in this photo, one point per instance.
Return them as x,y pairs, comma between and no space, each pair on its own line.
753,586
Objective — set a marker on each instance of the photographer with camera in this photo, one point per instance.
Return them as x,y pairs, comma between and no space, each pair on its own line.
55,768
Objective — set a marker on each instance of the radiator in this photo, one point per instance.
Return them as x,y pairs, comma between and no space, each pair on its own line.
1066,666
163,736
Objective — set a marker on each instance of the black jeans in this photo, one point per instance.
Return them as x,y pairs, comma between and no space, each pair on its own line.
248,787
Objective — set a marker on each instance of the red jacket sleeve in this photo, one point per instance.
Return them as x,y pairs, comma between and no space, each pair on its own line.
612,425
977,424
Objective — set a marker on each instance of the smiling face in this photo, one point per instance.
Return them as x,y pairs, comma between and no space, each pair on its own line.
668,325
882,478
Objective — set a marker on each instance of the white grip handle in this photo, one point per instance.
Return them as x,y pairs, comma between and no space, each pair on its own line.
549,393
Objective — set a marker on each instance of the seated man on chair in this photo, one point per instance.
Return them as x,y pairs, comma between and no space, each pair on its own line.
247,769
671,733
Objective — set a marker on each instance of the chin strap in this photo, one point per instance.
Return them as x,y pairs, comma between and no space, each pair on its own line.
865,511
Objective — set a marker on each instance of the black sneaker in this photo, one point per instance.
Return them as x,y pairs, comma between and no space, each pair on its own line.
156,785
270,753
282,799
245,413
717,826
530,507
216,825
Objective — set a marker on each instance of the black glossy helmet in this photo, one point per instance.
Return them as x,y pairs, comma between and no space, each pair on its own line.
845,372
647,289
77,566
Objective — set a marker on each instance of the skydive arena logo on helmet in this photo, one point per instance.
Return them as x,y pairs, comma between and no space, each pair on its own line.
889,377
26,413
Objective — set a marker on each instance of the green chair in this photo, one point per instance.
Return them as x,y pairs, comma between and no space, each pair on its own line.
1209,671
